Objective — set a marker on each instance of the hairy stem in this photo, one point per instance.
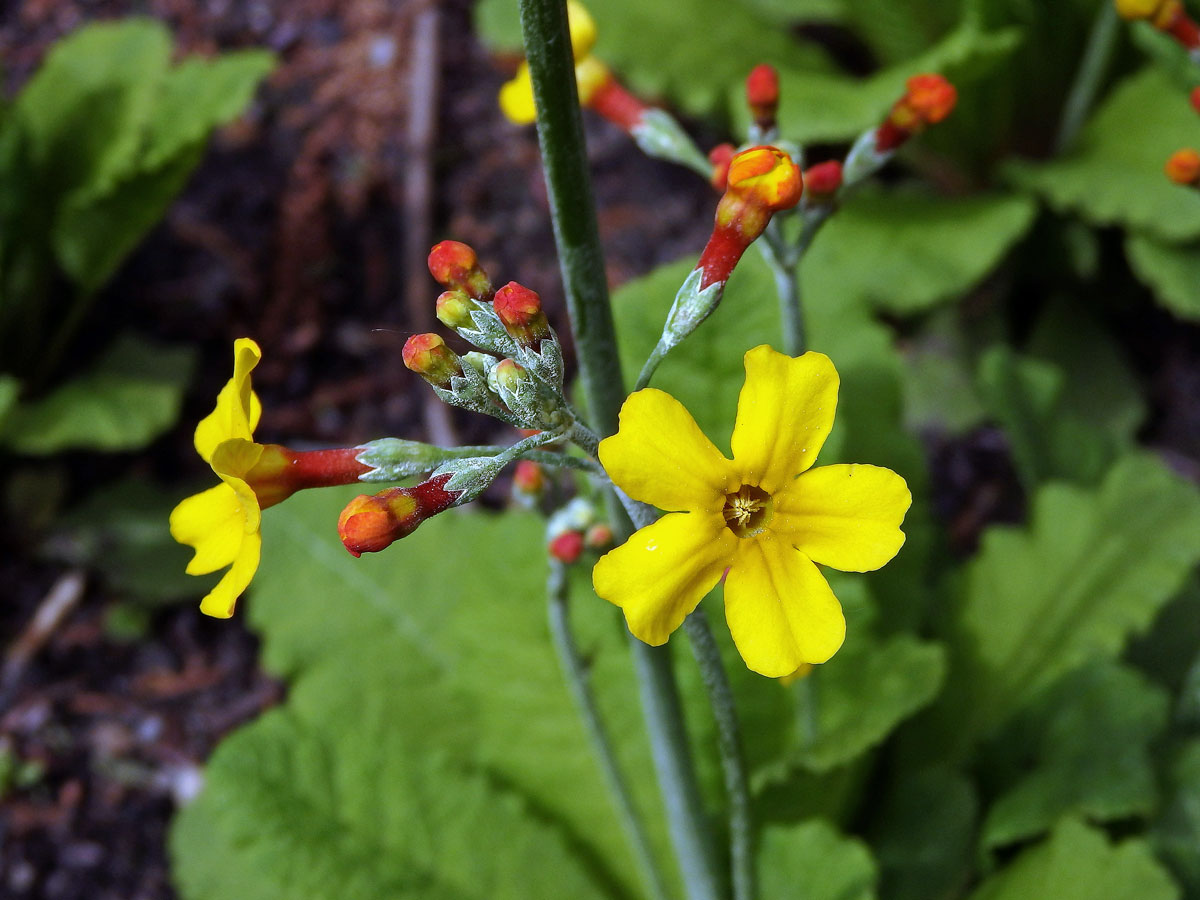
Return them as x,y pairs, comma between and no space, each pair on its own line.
576,674
564,161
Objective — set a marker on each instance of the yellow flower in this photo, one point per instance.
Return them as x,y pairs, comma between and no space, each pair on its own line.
766,515
516,96
222,523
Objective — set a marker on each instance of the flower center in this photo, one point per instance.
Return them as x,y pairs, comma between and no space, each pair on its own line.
747,511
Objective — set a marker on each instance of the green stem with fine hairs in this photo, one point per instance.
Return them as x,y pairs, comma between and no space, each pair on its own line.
569,190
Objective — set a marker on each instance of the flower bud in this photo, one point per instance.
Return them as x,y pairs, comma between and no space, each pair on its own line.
762,95
454,265
1183,166
520,311
598,537
454,309
822,182
529,477
368,524
567,547
720,156
767,177
929,99
508,378
429,357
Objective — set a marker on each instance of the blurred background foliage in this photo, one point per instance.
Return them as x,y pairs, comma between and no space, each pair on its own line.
1016,711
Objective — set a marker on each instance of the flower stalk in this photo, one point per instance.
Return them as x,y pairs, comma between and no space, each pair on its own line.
564,162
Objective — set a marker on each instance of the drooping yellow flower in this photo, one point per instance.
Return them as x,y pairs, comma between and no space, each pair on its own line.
222,523
766,515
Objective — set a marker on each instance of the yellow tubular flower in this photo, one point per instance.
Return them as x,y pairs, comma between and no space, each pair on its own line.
222,523
766,515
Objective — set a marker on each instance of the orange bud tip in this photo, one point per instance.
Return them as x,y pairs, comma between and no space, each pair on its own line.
567,547
520,311
823,180
429,357
762,94
765,177
720,157
369,524
454,264
1183,166
929,99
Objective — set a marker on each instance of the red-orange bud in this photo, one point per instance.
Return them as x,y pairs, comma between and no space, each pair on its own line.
429,357
454,265
1183,166
762,94
929,99
720,156
766,177
520,311
529,478
369,524
567,547
823,180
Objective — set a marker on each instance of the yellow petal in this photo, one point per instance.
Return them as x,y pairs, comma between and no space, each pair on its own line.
780,609
659,575
238,409
213,522
231,461
582,27
785,413
847,517
220,601
516,98
660,456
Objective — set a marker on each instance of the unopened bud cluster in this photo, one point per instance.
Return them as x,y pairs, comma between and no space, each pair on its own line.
576,529
516,374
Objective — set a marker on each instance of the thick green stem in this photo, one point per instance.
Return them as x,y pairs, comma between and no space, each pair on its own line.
1096,56
564,161
733,760
791,311
576,673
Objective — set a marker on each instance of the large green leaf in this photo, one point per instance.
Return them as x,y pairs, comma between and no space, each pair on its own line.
130,397
464,594
813,861
1176,834
924,833
1077,863
356,790
1083,750
904,252
1171,271
1094,567
1114,176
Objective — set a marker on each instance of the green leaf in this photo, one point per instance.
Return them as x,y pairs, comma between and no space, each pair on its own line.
464,595
822,107
1171,271
904,252
85,108
122,531
9,389
869,687
1114,177
1093,568
1176,834
1077,863
130,397
814,861
1055,744
924,835
355,790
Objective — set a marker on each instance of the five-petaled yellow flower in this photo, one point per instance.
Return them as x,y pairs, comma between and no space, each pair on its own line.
766,515
222,523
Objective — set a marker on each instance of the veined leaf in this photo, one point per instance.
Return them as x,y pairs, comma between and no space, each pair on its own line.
812,860
1078,863
1114,176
